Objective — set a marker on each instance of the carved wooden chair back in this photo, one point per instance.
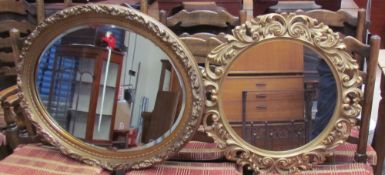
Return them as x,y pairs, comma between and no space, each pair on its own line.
342,21
196,17
201,44
18,19
201,26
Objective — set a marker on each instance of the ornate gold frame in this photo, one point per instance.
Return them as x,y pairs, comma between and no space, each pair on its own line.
142,24
317,36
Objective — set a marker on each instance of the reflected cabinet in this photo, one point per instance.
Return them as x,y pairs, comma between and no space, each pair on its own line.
82,89
266,95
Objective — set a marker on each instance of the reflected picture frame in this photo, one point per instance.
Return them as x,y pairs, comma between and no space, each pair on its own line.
316,36
126,18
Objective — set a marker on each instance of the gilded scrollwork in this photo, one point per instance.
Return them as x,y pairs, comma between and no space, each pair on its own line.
126,18
311,33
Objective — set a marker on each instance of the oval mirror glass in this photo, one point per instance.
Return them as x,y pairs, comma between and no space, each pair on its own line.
110,87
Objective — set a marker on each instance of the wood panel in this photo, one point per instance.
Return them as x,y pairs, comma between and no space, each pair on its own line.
270,57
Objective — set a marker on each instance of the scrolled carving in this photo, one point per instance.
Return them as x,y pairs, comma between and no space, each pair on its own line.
313,34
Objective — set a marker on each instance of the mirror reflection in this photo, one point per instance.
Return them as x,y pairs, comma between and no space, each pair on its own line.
110,87
279,95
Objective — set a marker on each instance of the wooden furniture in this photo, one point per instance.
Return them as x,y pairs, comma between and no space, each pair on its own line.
201,26
168,104
160,120
342,21
19,129
263,95
17,20
232,6
201,44
262,6
84,100
202,17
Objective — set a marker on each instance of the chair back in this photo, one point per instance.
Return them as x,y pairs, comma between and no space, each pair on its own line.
18,19
195,17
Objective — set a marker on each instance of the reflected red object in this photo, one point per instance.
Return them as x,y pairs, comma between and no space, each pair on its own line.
110,40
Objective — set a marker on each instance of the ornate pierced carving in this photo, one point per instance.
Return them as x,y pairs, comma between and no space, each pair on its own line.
137,22
311,33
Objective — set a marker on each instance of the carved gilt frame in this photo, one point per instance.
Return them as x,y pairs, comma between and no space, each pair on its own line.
310,32
135,21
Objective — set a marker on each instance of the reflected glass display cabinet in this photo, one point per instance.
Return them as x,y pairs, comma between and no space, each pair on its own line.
86,79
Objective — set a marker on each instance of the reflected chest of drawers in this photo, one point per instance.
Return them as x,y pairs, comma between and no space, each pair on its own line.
263,95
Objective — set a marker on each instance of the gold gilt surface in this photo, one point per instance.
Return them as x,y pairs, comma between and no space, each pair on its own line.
140,23
311,33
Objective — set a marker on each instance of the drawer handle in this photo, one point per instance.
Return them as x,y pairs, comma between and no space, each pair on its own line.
260,84
261,107
260,95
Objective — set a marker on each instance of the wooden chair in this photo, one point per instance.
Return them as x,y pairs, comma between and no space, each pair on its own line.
18,19
201,17
201,44
342,21
202,26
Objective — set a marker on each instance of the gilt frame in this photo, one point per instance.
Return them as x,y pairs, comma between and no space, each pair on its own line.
310,32
142,24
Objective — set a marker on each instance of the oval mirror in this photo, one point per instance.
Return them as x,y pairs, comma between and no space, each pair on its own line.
111,86
281,92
